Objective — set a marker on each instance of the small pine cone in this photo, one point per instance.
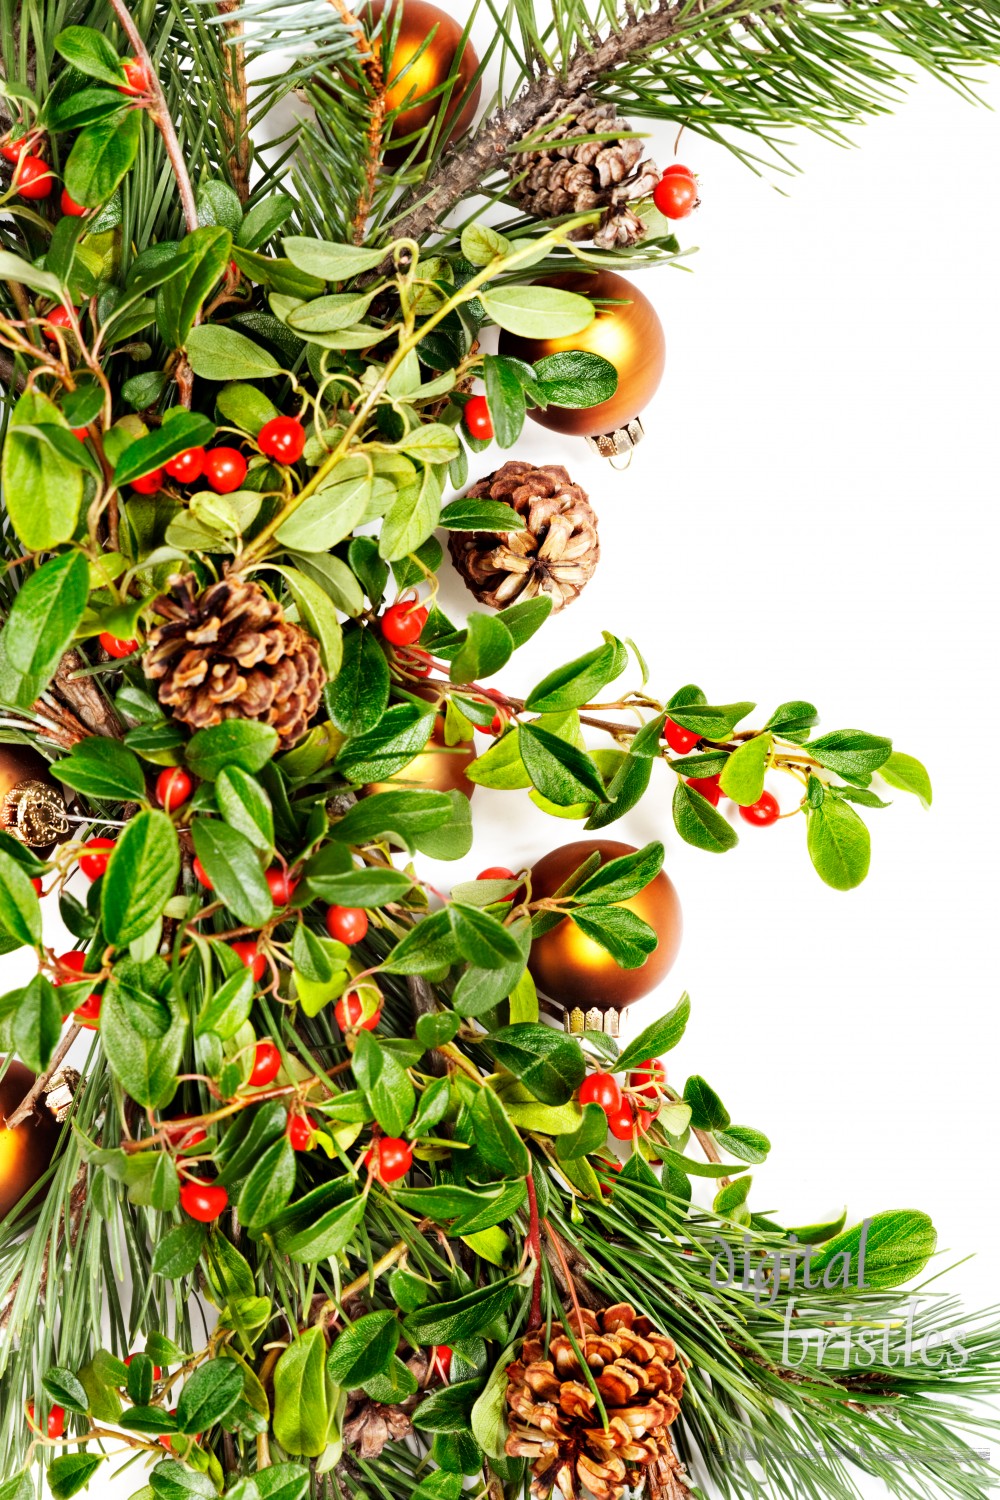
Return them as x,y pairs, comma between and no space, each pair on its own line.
555,554
553,179
228,652
553,1413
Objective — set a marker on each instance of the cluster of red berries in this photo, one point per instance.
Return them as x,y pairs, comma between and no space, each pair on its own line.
224,469
761,813
627,1112
676,193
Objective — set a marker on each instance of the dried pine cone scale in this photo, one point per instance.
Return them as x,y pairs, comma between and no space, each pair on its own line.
562,174
555,554
227,652
555,1420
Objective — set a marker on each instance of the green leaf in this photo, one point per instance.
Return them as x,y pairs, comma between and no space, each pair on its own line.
103,768
620,878
184,430
620,931
365,1348
449,1408
729,1201
42,489
850,751
203,257
21,1488
576,378
319,617
525,617
329,260
699,823
505,399
487,647
429,946
359,696
268,1188
385,1081
412,517
537,311
481,245
141,876
884,1251
178,1252
589,1136
208,1395
488,1418
232,864
37,1023
547,1062
245,805
226,1011
708,721
100,158
482,515
89,52
482,939
576,683
707,1110
20,913
742,776
331,1233
431,443
561,772
906,774
403,815
839,844
463,1318
71,1473
236,742
65,1388
740,1140
402,733
793,721
302,1396
220,353
659,1037
142,1037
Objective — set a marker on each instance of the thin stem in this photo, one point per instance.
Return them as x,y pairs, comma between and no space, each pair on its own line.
41,1083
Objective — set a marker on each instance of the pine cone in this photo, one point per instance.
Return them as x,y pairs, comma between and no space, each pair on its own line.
553,179
368,1425
553,1412
229,653
555,554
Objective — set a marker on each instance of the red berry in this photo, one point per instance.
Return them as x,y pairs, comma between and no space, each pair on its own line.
13,150
246,952
675,169
390,1159
182,1136
202,878
203,1201
499,721
346,924
33,178
116,647
173,788
73,961
403,621
148,484
225,469
94,861
136,77
678,738
89,1013
282,438
708,786
301,1129
478,422
763,812
80,433
36,884
441,1360
59,317
610,1169
266,1065
602,1089
621,1122
648,1079
676,195
70,206
498,872
157,1372
56,1424
349,1013
280,884
187,466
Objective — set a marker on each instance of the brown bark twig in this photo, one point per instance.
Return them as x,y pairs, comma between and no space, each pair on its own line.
42,1082
371,62
235,125
85,699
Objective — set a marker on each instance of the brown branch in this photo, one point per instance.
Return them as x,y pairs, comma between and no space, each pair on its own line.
41,1083
85,698
235,123
371,62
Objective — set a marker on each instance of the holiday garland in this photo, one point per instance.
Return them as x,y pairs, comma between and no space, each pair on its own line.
320,1097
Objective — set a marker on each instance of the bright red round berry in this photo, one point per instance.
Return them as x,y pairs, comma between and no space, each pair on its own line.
676,194
80,433
246,952
266,1065
301,1130
349,1013
136,77
390,1159
59,317
441,1355
71,207
762,812
187,466
676,169
282,438
116,647
183,1136
621,1122
602,1089
157,1372
403,621
499,721
36,884
33,178
280,884
346,924
173,788
477,419
608,1169
93,859
202,878
708,786
225,469
148,484
14,150
679,739
203,1201
89,1013
73,961
648,1079
55,1426
498,872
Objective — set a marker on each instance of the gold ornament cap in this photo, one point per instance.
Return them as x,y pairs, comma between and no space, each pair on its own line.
578,1021
618,443
34,812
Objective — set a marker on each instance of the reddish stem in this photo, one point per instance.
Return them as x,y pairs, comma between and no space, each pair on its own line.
535,1249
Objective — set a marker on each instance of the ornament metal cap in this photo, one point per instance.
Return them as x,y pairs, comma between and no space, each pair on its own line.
621,441
35,813
578,1021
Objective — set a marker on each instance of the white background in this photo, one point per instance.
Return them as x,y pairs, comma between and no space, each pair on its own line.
812,515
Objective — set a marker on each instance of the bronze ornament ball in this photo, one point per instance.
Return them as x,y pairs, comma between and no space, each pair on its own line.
573,970
628,334
439,767
27,1150
415,76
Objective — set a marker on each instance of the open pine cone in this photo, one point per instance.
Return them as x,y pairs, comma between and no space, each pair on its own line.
554,1419
554,178
228,652
555,554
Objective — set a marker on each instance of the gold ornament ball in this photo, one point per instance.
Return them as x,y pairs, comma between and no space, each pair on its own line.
27,1149
570,967
630,335
439,768
32,808
415,20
